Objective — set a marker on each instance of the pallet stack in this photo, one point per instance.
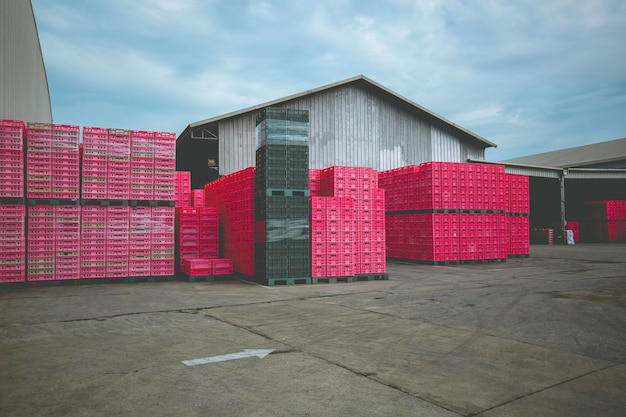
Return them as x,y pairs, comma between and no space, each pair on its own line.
518,212
13,219
139,241
444,212
604,221
368,234
162,243
233,195
94,163
182,189
142,165
283,251
118,164
164,165
93,255
197,198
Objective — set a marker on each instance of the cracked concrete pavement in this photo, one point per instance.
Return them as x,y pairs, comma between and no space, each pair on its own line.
539,336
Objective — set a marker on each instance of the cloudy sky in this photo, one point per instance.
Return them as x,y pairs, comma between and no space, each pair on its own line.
529,75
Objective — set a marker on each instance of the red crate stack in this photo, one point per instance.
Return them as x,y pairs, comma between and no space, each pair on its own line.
117,247
142,165
139,242
187,234
197,197
94,164
67,242
458,212
519,232
93,242
118,164
208,232
41,243
233,195
164,165
182,189
314,182
518,191
366,254
13,243
12,158
39,160
65,159
573,226
163,242
195,266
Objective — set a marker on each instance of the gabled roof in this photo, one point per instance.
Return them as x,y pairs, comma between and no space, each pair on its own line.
369,85
579,156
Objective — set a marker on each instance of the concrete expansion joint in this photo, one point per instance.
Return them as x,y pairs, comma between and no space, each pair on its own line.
529,394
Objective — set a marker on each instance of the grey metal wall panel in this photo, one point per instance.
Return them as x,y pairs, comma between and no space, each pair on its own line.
351,126
596,175
24,91
237,147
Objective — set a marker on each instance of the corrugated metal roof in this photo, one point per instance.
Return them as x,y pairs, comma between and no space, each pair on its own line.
580,156
363,82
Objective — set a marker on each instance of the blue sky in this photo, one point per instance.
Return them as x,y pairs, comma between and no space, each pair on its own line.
531,76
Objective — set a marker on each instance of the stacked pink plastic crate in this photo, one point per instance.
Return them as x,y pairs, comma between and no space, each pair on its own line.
13,219
162,241
12,159
117,244
197,198
65,160
67,224
361,185
164,165
93,242
94,164
182,189
139,242
233,195
41,243
518,212
142,165
118,164
39,160
12,243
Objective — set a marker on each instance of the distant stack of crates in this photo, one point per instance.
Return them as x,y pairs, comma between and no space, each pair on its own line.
12,203
283,251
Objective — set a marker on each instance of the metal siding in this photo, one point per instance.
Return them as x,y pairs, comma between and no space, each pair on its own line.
23,82
532,172
351,126
596,175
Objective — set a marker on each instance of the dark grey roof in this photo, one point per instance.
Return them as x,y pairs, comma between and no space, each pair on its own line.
365,83
579,156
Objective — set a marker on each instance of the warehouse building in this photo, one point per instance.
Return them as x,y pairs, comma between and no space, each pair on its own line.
23,80
354,122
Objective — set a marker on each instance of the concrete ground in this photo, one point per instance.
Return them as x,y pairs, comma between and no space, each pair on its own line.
543,336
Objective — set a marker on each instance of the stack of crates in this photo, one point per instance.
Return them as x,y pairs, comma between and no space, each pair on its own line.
182,189
234,197
162,241
361,185
39,160
67,242
455,212
139,244
142,165
94,163
41,247
518,213
65,159
11,159
283,253
164,165
12,242
13,219
197,198
93,255
118,237
118,164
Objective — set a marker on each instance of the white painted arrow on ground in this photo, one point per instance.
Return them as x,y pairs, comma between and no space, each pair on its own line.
246,353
